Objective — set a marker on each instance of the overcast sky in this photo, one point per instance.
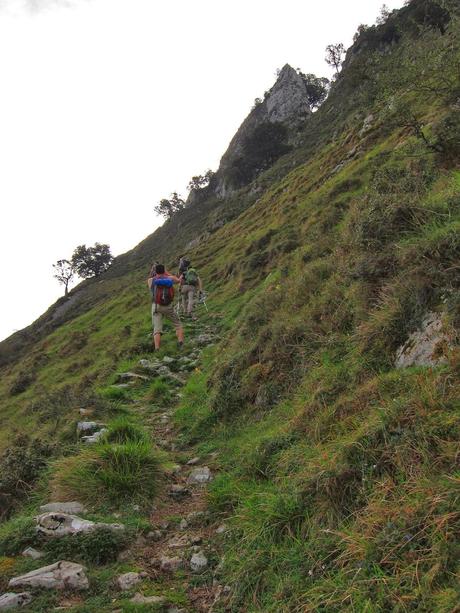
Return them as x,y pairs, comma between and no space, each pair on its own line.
107,106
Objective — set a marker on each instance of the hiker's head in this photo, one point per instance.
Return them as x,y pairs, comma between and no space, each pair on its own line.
159,269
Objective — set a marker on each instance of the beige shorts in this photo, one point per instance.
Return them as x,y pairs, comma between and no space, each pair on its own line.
158,311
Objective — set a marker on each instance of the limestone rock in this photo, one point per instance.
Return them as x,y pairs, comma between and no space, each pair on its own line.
131,376
168,360
74,508
94,438
30,552
58,576
139,598
88,426
183,524
193,461
178,491
10,600
155,535
62,524
151,367
128,580
221,529
179,543
426,346
200,475
205,339
199,562
171,565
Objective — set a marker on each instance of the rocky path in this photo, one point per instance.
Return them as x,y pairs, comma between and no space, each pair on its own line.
181,552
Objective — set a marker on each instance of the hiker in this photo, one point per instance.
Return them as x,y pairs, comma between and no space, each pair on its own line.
190,283
161,284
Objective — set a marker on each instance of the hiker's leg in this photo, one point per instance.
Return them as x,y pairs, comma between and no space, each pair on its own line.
157,320
191,296
183,295
175,319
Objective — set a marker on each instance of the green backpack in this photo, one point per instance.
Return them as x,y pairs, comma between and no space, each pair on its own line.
191,277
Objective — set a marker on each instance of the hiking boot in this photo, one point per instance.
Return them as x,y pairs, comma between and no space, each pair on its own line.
180,344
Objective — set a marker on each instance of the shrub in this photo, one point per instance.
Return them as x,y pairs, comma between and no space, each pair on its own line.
21,383
447,133
108,473
20,466
17,534
100,546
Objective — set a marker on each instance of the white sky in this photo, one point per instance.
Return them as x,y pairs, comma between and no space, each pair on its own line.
107,106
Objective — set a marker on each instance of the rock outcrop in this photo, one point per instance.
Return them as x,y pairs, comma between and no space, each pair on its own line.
426,346
58,576
63,524
286,102
11,600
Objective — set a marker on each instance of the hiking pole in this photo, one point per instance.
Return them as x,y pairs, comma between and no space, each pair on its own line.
203,301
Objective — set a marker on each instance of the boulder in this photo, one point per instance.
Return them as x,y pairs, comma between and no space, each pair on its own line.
178,491
30,552
427,346
127,581
155,535
74,508
205,339
88,426
200,475
94,438
179,542
170,565
183,524
199,562
63,524
141,599
10,600
58,576
131,376
150,367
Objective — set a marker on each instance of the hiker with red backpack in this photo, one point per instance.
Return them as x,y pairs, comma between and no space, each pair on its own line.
161,284
190,284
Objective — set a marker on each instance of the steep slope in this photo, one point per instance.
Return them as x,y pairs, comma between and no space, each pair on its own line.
339,469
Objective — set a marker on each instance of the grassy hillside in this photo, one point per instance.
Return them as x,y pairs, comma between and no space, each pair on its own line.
340,472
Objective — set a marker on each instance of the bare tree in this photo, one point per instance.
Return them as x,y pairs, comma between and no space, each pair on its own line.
334,55
64,273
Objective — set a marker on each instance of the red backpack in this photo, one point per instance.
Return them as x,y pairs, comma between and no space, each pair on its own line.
162,290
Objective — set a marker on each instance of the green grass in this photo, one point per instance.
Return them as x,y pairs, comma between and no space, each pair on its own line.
108,473
338,472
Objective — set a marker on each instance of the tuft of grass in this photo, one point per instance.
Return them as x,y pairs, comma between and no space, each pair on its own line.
122,430
17,534
108,473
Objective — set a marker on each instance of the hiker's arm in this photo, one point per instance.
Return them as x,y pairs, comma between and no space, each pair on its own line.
174,278
149,282
200,284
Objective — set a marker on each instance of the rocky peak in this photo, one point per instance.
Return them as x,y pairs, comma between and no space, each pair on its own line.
286,102
287,99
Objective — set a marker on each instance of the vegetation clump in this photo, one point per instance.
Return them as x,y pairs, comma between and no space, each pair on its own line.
108,474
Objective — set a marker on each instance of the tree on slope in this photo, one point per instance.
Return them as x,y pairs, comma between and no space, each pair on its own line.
167,208
64,273
334,55
91,261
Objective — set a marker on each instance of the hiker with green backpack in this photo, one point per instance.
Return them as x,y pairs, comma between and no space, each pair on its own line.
190,285
161,284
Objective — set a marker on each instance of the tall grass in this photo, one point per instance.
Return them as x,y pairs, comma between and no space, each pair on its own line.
108,473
